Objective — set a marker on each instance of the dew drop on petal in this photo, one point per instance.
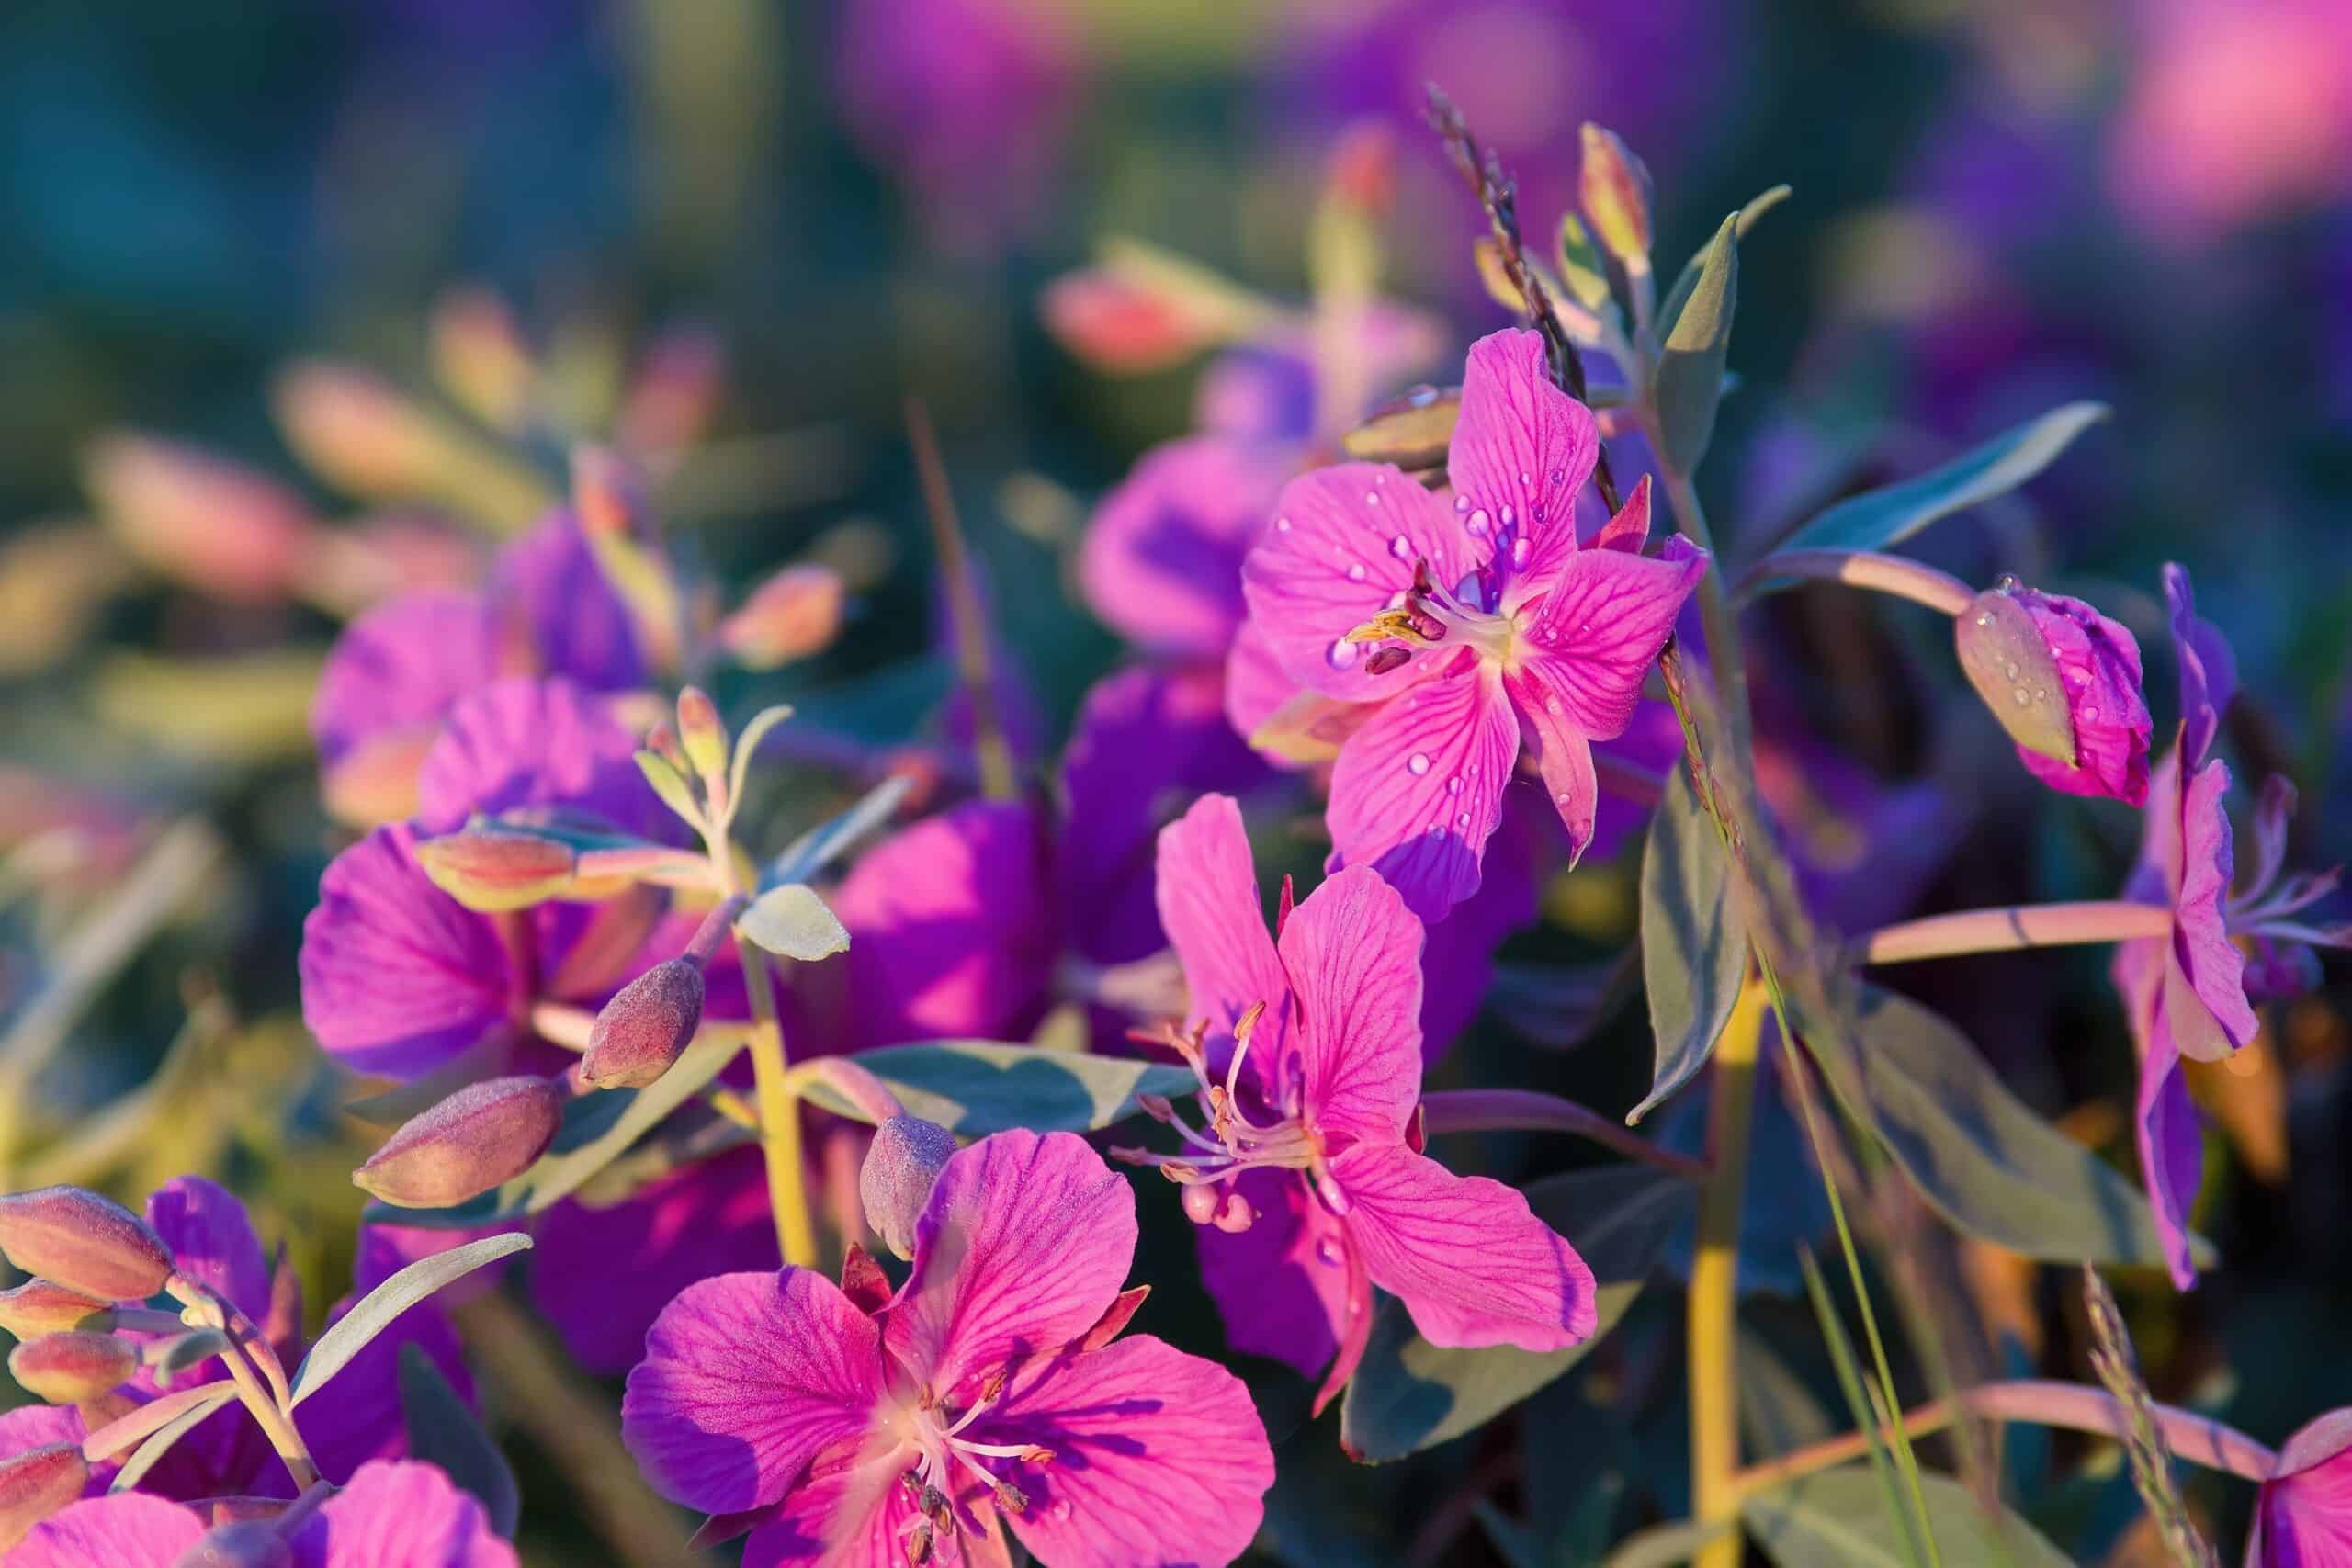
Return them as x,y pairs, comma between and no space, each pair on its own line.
2091,711
1417,763
2021,698
1370,498
1463,820
1343,654
1355,573
1282,525
1327,1252
1478,522
1520,548
1399,547
1453,784
1461,503
1396,600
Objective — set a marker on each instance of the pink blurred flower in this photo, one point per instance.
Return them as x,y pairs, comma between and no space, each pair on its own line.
2303,1517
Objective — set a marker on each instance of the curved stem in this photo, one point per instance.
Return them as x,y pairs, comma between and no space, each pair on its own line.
1712,1327
1529,1111
1898,575
2014,926
854,1084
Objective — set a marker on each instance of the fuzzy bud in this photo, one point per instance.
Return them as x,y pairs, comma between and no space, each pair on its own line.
1616,197
606,493
83,1242
227,530
492,869
895,1182
793,614
484,1135
640,1033
67,1367
37,1483
2064,682
241,1543
357,430
43,1306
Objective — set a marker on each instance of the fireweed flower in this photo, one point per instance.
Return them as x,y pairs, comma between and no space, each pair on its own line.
1479,626
2093,731
2304,1517
405,1513
1162,561
990,1388
2186,995
1307,1182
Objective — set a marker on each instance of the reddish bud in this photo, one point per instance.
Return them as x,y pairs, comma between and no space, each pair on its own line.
242,1543
669,402
1364,165
702,734
43,1306
480,355
83,1242
791,615
37,1483
357,430
1616,197
640,1033
492,869
895,1182
484,1135
1118,325
606,492
67,1367
221,527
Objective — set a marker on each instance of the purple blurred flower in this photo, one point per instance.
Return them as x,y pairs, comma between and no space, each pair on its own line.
1484,621
2303,1517
990,1387
1161,561
1309,1185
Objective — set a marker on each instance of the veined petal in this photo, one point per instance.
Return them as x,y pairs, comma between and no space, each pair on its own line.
549,597
124,1529
1255,686
1281,1285
2208,670
850,1513
2172,1152
2208,974
1563,755
1630,529
1469,1259
1354,952
1417,791
1023,1244
1343,546
747,1378
406,1513
212,1239
1159,1460
1596,630
1209,904
1522,448
401,663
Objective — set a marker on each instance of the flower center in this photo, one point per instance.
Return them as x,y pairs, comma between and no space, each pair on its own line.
946,1463
1427,616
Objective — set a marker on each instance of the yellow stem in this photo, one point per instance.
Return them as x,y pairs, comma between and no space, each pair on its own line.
1714,1279
779,1115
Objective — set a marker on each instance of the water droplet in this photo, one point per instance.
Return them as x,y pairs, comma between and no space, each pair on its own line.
1471,592
1417,763
2010,670
2091,713
1986,619
1058,1509
1343,654
1327,1252
1355,573
1282,525
1478,522
1557,476
1453,784
1463,820
1522,481
1521,548
1559,797
1380,476
1461,503
2006,583
1552,705
2041,693
2021,698
1509,517
1536,511
1396,600
1400,548
1370,499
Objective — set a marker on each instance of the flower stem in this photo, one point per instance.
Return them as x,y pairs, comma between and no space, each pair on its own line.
779,1110
1898,575
1715,613
1515,1110
2015,926
1712,1315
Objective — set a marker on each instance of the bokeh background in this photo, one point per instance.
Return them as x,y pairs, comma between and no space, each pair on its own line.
803,214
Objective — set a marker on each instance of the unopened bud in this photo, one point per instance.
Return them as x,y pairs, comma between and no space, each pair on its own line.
66,1367
43,1306
480,355
669,402
83,1242
640,1033
2005,658
606,492
492,869
1616,197
702,734
1121,326
358,431
895,1182
242,1543
2064,682
484,1135
37,1483
1362,170
221,527
793,614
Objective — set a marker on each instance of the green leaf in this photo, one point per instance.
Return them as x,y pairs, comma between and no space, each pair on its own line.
1409,1394
189,1350
1837,1518
1687,279
1884,517
1973,1150
201,1402
1694,939
1662,1546
791,921
671,785
441,1431
597,1130
824,844
376,1311
1689,380
973,1087
747,743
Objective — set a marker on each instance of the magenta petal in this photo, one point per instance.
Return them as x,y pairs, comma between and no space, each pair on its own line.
402,663
1255,686
1458,955
1522,451
2304,1516
2172,1155
2209,671
2205,991
127,1529
848,1514
1563,758
548,596
1159,1460
1354,950
746,1378
398,978
1215,918
1281,1285
1629,530
1417,791
1343,544
1024,1243
1162,561
2099,668
1599,628
527,741
405,1513
211,1240
1469,1259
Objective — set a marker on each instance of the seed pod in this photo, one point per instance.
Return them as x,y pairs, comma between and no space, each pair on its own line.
491,869
37,1483
484,1135
43,1306
242,1543
83,1242
64,1369
793,614
895,1181
643,1030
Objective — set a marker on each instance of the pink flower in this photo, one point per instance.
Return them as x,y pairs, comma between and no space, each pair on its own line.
2303,1517
1161,561
2106,724
1477,626
1309,1181
990,1386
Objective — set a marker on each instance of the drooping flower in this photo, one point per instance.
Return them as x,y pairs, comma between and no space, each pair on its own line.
989,1389
405,1513
1479,627
2090,735
1307,1182
2304,1517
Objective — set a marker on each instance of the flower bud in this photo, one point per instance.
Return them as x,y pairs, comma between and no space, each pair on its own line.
895,1182
83,1242
1124,326
37,1483
791,615
2064,682
43,1306
643,1030
66,1367
241,1543
702,733
480,355
606,493
491,869
669,400
357,429
1616,197
226,530
484,1135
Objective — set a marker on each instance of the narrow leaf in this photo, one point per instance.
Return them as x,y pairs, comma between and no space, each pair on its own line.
201,1404
822,845
1663,1546
441,1431
377,1309
791,921
974,1088
1685,281
1694,939
137,1425
187,1351
747,743
1689,381
1838,1516
671,785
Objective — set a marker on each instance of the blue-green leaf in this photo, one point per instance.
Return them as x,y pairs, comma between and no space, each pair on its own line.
1689,381
1694,938
829,841
791,921
441,1431
976,1087
376,1311
1840,1517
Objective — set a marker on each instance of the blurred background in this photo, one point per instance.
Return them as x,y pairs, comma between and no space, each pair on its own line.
739,234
